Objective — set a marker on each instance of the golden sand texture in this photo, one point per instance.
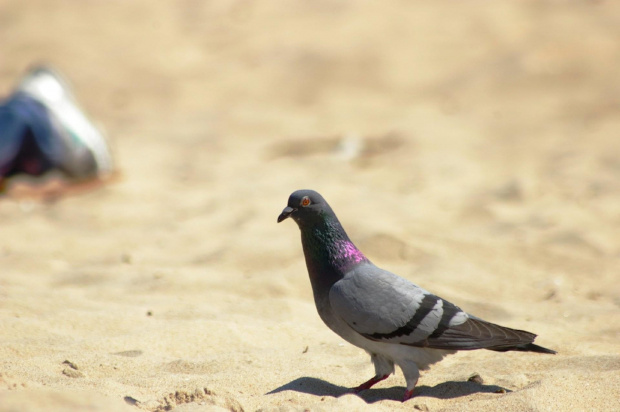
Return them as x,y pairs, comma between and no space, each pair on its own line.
471,147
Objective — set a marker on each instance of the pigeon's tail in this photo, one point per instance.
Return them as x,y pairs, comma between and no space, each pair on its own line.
527,347
476,333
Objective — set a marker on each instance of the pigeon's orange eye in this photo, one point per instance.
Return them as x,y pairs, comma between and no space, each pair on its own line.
305,201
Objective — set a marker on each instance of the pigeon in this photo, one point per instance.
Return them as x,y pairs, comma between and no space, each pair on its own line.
392,319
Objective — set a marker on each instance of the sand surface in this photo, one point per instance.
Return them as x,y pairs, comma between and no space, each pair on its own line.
471,147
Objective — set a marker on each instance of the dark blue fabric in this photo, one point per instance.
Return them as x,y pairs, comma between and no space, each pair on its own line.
29,142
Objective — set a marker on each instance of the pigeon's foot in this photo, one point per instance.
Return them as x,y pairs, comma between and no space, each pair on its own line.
408,395
370,383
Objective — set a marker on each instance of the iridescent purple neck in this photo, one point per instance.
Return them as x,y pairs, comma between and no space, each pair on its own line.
328,249
329,253
346,255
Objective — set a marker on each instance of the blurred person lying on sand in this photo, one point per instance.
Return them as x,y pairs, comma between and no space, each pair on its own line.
43,129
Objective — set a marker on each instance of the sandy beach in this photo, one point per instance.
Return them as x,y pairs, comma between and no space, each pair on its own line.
470,147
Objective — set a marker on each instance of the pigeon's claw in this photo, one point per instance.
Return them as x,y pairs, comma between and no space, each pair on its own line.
369,384
408,395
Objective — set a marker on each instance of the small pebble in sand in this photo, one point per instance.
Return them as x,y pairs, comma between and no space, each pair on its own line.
475,377
131,401
71,364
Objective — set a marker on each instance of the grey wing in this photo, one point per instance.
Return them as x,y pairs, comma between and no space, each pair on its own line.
384,307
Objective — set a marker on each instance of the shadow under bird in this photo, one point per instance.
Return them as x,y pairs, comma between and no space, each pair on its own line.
389,317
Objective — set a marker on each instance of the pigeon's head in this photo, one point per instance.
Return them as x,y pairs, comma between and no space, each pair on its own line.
305,207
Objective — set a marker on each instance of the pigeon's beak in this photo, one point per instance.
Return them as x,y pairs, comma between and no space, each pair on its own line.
285,213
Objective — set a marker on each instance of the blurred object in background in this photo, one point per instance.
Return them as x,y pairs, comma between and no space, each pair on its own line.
43,132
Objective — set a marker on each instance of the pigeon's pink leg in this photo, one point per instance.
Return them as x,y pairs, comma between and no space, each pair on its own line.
369,383
408,394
